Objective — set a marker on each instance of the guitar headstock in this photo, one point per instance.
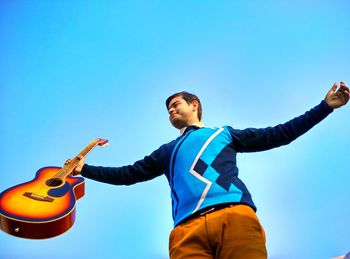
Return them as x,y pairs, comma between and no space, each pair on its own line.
102,142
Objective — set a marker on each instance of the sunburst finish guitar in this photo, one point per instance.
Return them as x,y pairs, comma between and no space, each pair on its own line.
44,207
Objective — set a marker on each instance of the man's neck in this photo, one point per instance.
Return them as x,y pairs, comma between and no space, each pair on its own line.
199,124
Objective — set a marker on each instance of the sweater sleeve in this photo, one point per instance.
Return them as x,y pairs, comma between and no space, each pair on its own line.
146,169
252,140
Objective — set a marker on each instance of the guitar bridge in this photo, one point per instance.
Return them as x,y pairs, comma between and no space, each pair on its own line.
38,197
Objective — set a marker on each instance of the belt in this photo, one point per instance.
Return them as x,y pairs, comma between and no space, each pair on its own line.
204,211
207,210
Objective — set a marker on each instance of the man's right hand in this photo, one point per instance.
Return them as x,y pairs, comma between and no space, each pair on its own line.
79,167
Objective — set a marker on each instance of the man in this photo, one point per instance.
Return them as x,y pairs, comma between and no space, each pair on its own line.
214,214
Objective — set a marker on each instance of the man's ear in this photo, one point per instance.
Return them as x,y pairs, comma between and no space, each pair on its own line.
195,105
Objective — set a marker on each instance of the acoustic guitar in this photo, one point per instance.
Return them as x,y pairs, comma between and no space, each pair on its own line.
44,207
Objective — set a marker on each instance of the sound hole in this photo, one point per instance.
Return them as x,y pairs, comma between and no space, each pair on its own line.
54,182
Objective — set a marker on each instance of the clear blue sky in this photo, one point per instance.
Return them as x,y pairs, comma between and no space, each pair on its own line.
72,71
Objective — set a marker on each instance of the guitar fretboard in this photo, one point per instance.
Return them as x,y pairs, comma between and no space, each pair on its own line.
69,167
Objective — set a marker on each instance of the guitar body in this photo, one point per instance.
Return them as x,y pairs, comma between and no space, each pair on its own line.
41,208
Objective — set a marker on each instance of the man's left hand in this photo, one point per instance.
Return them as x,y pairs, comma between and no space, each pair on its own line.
337,98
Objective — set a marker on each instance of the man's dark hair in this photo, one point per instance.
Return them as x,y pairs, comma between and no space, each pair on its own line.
189,98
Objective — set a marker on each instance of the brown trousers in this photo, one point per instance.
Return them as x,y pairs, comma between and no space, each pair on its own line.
233,232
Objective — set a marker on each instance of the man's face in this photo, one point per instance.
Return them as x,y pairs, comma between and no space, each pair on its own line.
182,114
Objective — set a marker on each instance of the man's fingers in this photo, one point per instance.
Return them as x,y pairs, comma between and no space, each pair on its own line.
70,160
334,87
343,89
67,161
332,91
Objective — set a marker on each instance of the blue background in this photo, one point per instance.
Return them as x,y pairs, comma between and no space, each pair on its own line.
72,71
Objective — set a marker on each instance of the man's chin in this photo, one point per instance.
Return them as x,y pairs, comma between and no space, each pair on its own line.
177,124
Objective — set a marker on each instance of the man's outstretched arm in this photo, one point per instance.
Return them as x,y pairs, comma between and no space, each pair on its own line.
145,169
252,139
142,170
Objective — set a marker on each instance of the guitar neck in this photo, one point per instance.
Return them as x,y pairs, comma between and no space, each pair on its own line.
88,148
69,167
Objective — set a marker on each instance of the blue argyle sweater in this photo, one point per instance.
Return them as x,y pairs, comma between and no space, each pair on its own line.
200,165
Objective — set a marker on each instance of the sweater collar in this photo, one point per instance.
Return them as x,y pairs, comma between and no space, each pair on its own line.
194,125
